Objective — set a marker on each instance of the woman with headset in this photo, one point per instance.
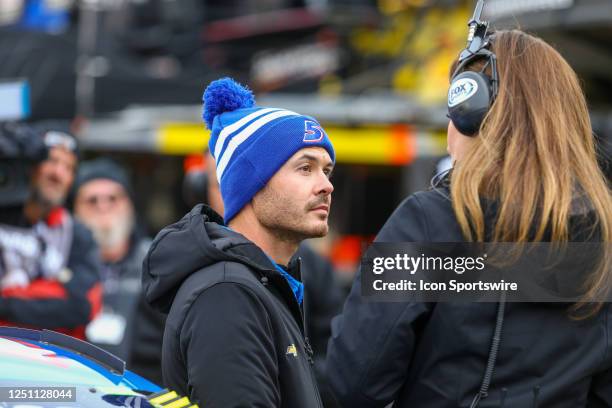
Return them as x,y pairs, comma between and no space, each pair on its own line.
525,170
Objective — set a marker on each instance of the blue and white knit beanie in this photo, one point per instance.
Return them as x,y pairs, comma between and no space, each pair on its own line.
250,143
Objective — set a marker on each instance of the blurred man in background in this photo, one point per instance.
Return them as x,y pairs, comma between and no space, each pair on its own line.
127,326
61,290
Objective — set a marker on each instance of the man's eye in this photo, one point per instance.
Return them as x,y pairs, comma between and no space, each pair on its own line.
305,168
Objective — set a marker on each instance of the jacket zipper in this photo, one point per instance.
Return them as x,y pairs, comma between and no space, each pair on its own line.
302,325
307,346
309,351
309,354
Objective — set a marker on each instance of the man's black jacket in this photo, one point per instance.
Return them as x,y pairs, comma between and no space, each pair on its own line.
434,355
324,299
234,333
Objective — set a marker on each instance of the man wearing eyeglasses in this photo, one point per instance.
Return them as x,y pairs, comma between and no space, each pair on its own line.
60,289
127,326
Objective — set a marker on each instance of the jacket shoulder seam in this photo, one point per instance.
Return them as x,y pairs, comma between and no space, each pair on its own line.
425,217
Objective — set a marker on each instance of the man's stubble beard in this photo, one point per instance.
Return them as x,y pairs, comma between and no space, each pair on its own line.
45,203
287,220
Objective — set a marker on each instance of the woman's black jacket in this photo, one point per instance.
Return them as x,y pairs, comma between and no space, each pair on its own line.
434,355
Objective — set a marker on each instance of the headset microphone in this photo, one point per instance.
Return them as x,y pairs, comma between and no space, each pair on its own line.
471,93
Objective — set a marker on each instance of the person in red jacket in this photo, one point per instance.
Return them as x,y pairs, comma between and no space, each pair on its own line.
58,288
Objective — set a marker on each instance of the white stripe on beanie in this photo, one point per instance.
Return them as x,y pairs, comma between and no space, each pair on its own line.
228,130
242,136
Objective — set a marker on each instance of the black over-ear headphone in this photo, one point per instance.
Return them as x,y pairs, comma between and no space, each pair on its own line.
471,93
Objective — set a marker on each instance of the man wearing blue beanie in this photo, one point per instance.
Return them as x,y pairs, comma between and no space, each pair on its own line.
234,336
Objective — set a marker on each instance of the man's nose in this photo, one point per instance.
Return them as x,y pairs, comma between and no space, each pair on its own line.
103,204
60,171
325,186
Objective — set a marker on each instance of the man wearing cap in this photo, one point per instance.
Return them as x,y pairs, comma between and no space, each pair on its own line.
321,289
234,335
61,291
127,326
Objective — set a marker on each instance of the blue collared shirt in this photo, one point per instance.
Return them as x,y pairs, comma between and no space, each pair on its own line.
296,286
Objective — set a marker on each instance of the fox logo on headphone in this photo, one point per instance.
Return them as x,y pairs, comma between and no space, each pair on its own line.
461,90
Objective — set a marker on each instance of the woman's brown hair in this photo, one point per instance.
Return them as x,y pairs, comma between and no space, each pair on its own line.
534,155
